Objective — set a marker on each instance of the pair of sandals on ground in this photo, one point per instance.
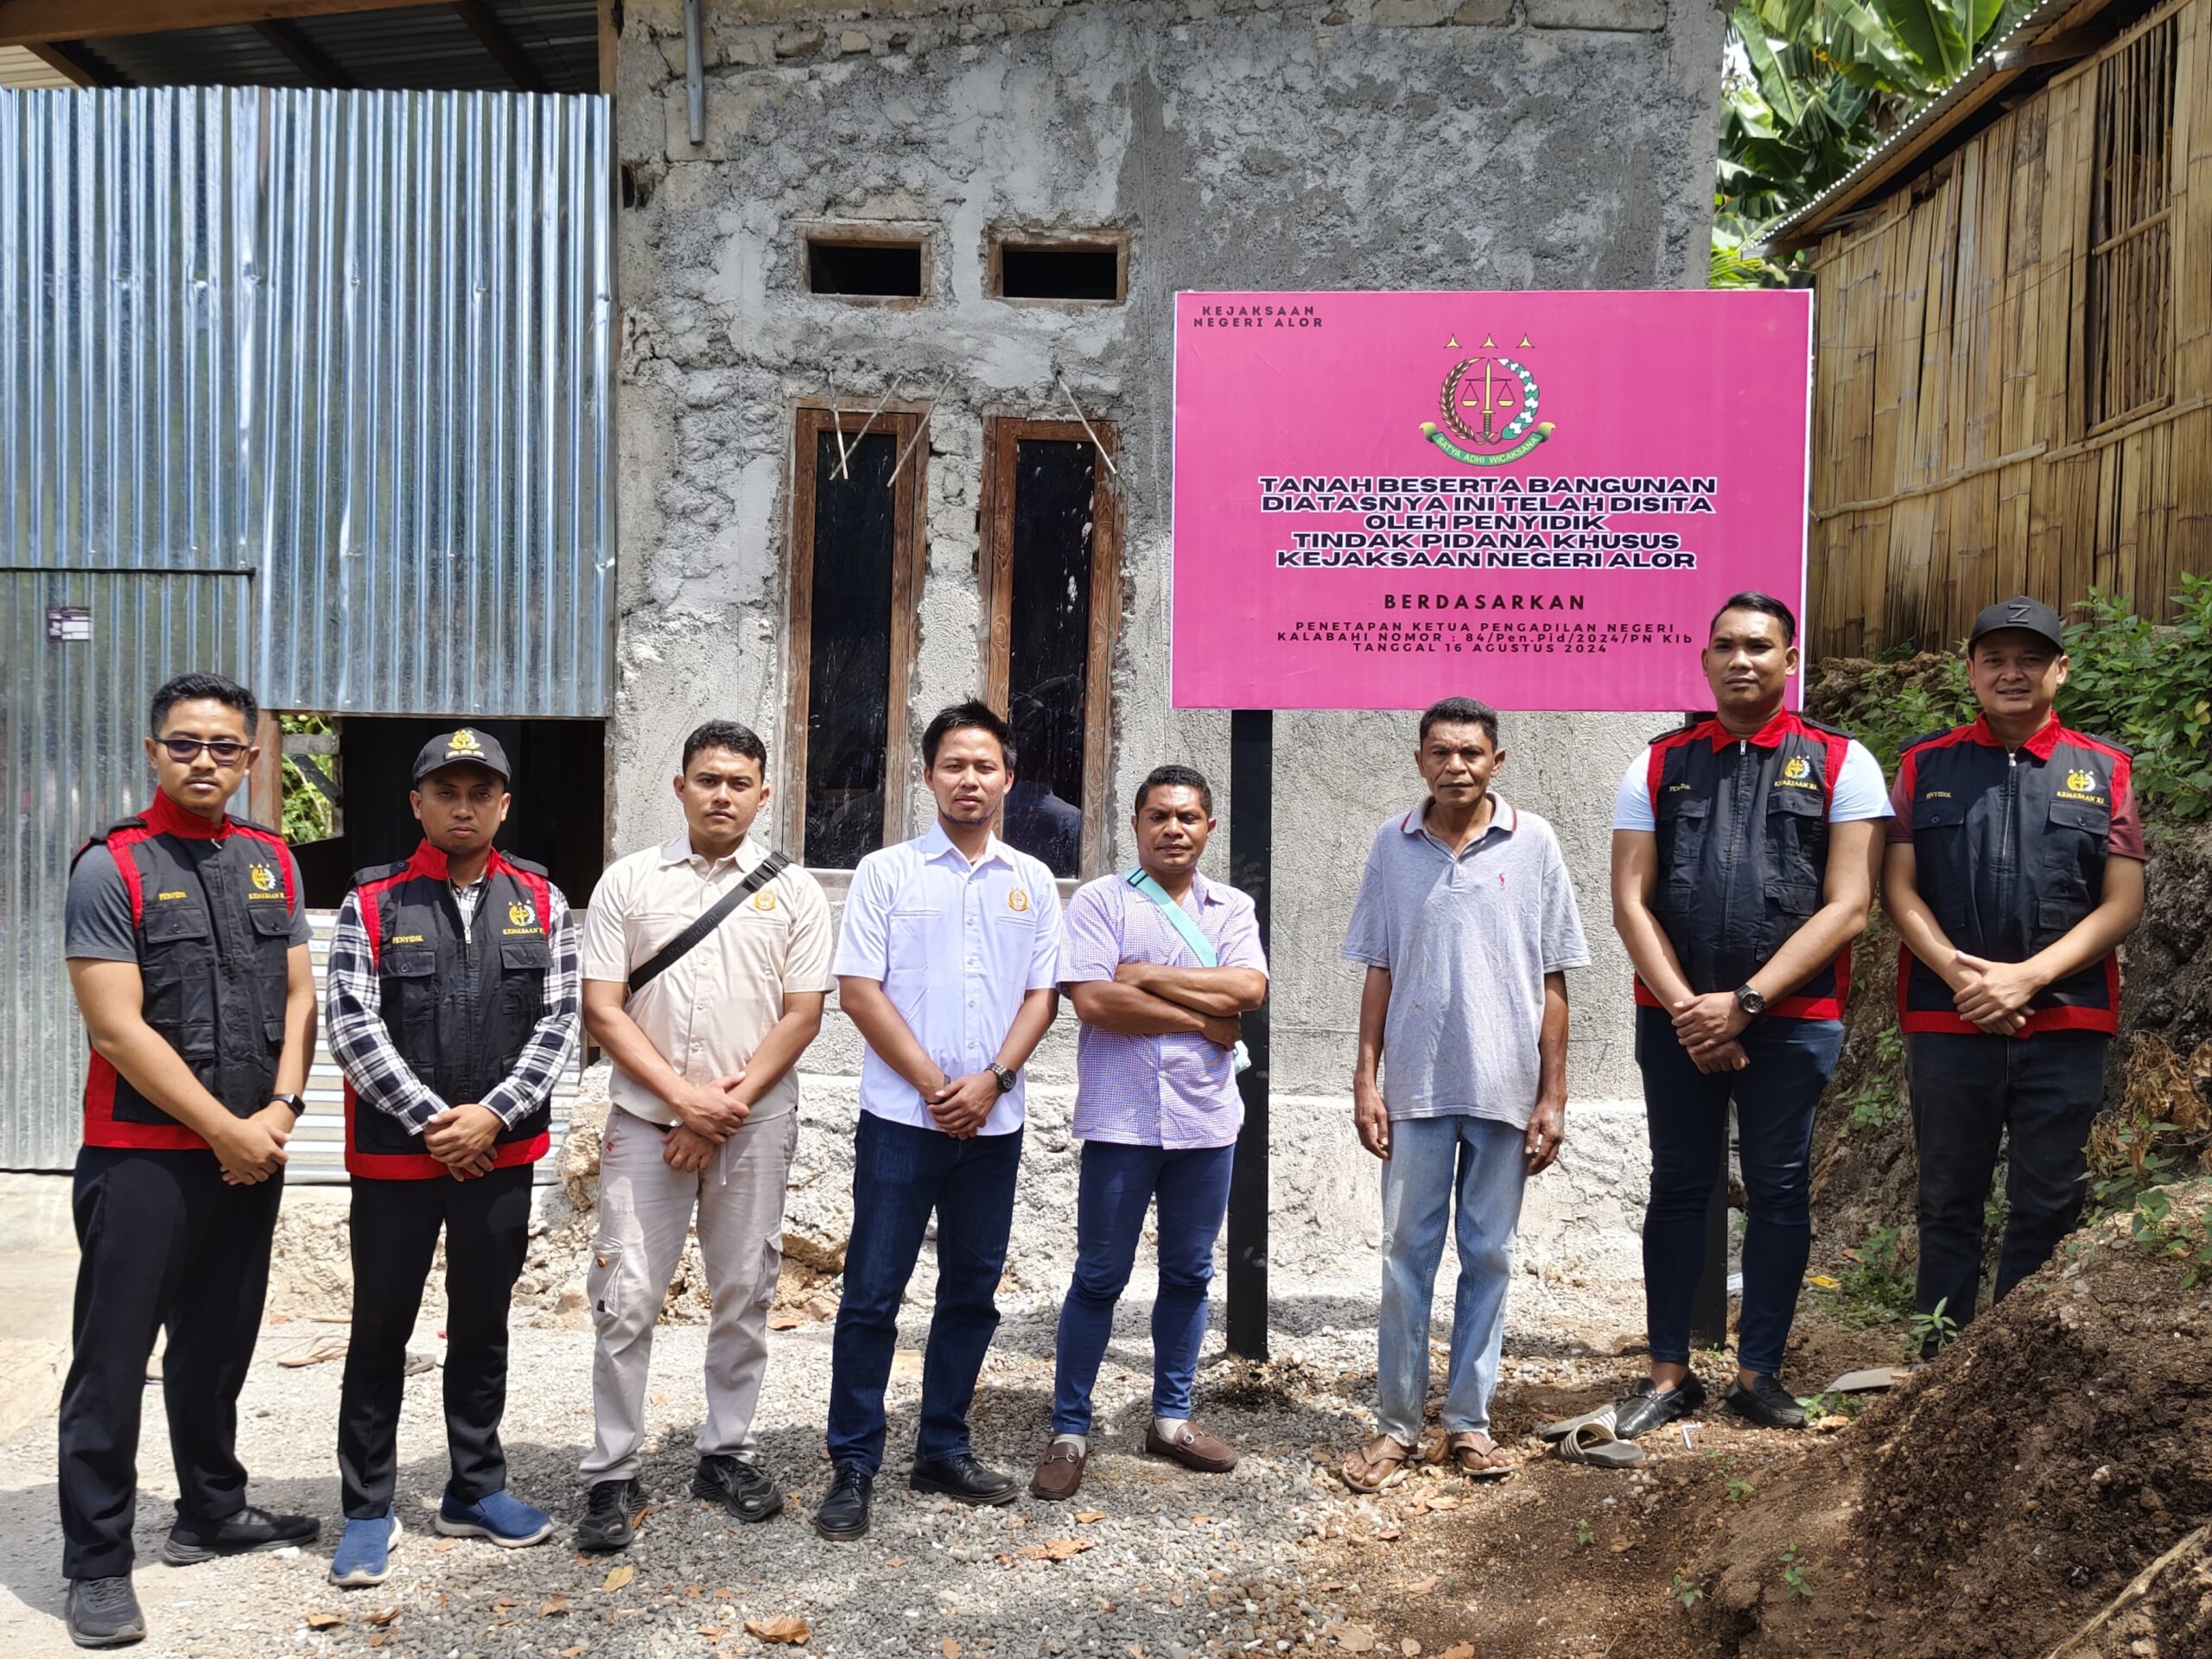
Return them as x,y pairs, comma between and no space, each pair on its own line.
1604,1438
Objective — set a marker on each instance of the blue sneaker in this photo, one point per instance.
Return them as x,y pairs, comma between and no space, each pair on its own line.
363,1555
505,1520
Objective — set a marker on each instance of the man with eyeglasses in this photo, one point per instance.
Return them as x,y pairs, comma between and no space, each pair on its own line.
187,951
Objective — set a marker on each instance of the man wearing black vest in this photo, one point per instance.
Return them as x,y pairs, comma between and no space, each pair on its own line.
453,987
2015,868
1743,859
187,951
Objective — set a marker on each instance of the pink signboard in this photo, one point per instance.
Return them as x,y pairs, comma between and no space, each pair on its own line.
1538,499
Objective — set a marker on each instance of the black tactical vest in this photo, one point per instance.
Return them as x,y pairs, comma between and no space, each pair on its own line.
460,1005
211,907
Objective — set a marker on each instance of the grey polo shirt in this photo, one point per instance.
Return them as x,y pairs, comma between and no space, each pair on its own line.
1468,940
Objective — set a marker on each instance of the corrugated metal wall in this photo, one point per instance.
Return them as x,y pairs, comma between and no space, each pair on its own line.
72,713
360,343
322,382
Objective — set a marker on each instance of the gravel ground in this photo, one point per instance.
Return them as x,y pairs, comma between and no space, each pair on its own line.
1170,1563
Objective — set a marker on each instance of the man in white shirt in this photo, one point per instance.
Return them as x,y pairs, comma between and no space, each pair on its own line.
947,964
706,964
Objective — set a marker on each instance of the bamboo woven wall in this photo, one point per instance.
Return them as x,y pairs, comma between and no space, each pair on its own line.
1955,461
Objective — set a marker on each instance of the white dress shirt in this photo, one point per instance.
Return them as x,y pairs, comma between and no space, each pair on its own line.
957,947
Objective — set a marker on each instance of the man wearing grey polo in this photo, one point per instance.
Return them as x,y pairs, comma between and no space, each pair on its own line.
1466,924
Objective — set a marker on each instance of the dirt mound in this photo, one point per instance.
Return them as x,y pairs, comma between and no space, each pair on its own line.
2008,1494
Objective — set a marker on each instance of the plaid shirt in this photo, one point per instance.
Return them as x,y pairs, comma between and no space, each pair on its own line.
364,1051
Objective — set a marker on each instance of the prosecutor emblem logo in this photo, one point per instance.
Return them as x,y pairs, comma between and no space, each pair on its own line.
1017,899
763,900
1797,769
522,913
464,741
1489,406
264,878
2080,782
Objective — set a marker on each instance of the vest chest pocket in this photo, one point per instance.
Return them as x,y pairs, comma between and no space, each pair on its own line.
525,960
1939,853
176,965
2073,856
1683,824
272,942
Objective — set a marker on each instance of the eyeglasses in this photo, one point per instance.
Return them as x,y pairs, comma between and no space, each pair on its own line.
222,751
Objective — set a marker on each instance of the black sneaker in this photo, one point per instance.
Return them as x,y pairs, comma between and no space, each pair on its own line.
739,1485
611,1515
843,1511
104,1613
191,1541
1648,1408
1766,1402
963,1480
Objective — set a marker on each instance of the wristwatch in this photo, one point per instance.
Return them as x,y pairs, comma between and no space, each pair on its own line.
1004,1076
1750,1001
297,1103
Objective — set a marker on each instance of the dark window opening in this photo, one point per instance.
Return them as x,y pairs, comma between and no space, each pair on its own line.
848,680
1085,271
866,269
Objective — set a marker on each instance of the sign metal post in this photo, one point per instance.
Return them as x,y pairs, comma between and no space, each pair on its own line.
1251,836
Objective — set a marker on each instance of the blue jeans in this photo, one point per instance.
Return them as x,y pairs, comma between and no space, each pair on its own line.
1118,1185
900,1174
1430,1158
1791,1061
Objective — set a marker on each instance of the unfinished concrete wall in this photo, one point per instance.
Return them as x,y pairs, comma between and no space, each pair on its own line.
1400,143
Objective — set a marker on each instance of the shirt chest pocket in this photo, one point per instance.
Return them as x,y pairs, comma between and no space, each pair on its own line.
912,927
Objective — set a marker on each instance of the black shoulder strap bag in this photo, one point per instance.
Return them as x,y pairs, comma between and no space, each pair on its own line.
683,944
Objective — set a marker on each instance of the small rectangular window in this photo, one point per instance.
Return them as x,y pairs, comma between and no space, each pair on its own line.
866,263
2128,350
1052,602
1027,268
855,577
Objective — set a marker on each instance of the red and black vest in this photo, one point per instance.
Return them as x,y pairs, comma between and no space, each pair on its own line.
459,1005
211,908
1742,831
2009,851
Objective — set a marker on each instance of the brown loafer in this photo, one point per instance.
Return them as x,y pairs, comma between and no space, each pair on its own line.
1207,1453
1059,1471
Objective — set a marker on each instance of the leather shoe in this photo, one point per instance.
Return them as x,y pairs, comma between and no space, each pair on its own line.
740,1485
1766,1402
963,1480
104,1613
249,1529
1059,1473
1650,1407
844,1513
1207,1453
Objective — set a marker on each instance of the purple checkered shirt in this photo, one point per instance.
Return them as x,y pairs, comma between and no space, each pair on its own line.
1177,1091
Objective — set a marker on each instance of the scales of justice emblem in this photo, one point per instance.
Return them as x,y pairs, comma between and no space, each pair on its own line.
1491,403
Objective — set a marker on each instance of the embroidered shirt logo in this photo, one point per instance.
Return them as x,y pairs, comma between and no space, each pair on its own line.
264,878
464,741
2080,781
1797,769
763,900
1018,899
522,913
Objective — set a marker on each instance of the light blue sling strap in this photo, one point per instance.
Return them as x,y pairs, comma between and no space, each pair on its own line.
1181,920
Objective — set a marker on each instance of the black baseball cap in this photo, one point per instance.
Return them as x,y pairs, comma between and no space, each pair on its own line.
466,746
2029,615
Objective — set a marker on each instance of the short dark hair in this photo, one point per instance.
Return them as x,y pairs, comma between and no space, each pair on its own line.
726,735
202,688
1175,778
1460,711
1766,604
961,716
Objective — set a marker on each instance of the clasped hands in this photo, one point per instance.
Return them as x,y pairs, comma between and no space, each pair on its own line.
1995,995
706,1114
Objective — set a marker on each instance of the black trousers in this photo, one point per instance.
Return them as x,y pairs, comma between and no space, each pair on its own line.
394,1226
163,1243
2042,1094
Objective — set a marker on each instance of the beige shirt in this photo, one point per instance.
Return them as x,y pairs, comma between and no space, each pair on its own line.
708,1013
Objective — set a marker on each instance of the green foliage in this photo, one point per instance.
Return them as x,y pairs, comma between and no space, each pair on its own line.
309,814
1932,1332
1689,1590
2149,686
1871,1289
1793,1574
2163,1227
1811,86
1584,1537
1740,1489
1877,1101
